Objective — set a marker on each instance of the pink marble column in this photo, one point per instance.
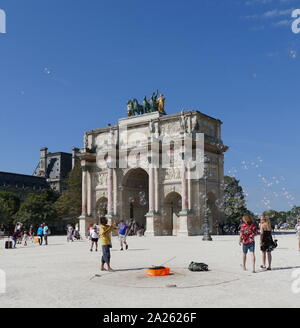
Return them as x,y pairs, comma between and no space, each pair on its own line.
156,190
115,193
109,191
151,189
189,191
84,191
184,188
89,193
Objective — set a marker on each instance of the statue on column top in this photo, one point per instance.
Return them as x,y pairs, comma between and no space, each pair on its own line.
161,104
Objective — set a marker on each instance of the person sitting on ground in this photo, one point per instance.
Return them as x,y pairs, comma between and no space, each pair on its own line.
123,231
105,235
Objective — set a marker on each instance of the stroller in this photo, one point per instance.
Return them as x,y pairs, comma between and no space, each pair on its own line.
76,235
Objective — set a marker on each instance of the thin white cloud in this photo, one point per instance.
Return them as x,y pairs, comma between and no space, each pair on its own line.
266,2
277,13
284,22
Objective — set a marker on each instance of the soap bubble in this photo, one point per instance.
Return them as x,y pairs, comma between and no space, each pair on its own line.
47,71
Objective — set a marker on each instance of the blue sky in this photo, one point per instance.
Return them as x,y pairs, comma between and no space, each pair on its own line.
68,66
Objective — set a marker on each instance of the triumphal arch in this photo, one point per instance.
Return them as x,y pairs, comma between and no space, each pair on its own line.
149,167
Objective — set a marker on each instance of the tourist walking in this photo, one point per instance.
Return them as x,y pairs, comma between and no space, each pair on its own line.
31,233
46,233
297,227
14,237
69,232
123,231
248,232
105,235
266,242
18,227
40,233
25,238
94,238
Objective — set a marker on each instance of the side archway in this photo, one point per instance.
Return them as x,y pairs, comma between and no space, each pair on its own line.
101,208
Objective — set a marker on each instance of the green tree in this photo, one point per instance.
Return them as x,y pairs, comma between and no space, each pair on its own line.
69,203
38,208
234,203
274,216
293,215
9,205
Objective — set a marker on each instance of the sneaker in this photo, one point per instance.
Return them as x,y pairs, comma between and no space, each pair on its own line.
121,249
126,247
96,250
91,250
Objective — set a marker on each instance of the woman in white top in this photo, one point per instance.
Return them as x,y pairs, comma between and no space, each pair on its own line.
297,227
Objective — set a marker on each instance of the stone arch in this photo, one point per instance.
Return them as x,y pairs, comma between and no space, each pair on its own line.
171,208
101,208
135,195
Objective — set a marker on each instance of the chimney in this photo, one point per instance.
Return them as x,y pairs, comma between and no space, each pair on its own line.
74,157
43,161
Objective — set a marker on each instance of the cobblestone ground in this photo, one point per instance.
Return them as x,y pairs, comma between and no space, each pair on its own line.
68,275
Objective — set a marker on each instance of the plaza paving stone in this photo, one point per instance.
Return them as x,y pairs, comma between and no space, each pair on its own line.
68,275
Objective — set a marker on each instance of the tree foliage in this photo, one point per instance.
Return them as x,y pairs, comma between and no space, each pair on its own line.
234,203
69,203
38,208
9,205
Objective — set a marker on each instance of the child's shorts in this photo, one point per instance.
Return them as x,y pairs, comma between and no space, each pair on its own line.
122,238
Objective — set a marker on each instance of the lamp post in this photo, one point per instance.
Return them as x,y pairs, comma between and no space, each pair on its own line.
206,234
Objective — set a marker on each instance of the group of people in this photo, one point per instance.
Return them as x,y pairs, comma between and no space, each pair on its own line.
103,232
43,233
249,230
21,235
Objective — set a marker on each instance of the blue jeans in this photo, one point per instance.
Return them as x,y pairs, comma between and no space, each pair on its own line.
249,247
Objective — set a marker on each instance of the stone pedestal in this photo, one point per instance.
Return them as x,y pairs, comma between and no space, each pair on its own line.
153,224
184,222
84,222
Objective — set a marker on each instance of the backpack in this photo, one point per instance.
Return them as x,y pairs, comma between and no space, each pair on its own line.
194,266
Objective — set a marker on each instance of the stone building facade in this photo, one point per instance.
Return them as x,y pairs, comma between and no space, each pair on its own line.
51,172
55,167
21,184
121,178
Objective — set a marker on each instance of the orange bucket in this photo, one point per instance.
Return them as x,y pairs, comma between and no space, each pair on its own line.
159,271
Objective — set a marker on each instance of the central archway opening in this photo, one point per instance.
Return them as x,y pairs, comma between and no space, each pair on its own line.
172,207
136,196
